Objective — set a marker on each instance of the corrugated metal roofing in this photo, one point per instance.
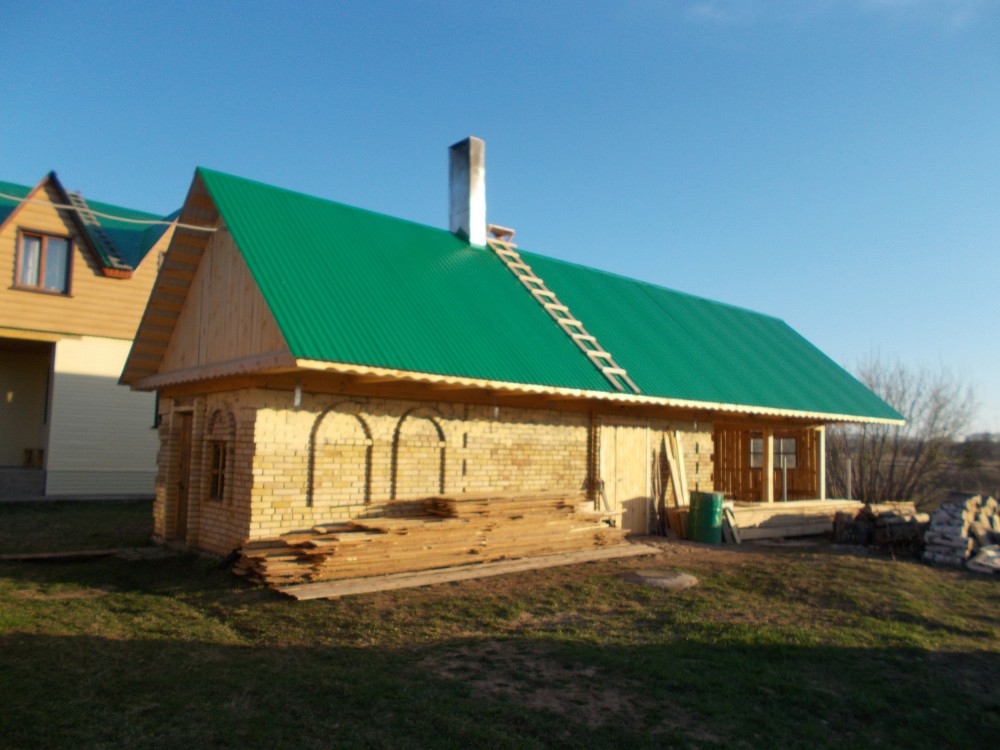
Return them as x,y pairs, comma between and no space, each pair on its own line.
680,346
7,206
352,286
348,285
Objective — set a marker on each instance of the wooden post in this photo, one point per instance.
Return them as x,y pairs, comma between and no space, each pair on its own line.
849,493
767,483
821,468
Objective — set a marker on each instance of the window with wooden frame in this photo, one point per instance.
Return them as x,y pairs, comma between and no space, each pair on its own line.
219,437
43,262
785,449
218,450
785,453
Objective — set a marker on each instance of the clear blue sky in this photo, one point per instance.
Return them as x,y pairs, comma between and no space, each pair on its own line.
835,163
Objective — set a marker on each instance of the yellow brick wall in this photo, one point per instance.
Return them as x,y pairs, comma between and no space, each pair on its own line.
336,458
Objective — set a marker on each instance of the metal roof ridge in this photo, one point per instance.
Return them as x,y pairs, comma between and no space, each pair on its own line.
341,204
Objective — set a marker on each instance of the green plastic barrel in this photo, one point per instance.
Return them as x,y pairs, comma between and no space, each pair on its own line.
705,521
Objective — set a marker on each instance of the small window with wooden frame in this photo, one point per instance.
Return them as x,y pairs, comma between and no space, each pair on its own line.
43,262
757,452
219,437
786,453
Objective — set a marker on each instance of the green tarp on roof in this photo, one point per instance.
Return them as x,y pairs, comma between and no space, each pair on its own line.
351,286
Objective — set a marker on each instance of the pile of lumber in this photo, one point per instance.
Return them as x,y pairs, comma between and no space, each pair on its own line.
455,530
961,528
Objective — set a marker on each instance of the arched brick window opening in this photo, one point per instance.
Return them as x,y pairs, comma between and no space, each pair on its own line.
220,436
340,458
418,455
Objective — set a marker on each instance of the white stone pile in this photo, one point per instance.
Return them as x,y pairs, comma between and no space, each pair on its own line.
964,532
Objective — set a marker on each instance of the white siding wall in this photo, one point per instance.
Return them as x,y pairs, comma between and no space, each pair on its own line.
101,436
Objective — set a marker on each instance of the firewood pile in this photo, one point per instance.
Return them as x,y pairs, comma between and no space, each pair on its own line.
965,531
896,528
456,530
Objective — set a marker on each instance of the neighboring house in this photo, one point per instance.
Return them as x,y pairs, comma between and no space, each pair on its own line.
317,362
77,283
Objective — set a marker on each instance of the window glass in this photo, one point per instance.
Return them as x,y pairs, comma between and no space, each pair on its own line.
56,263
31,252
756,453
785,450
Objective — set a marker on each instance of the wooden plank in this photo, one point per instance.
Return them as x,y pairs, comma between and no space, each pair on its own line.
335,589
680,500
734,529
681,469
78,554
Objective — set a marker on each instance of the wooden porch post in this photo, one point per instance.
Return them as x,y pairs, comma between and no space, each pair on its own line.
821,468
767,483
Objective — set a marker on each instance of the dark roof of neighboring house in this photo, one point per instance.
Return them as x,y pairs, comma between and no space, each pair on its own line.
351,286
131,240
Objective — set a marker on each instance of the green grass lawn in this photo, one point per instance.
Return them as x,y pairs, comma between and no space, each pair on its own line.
72,525
788,648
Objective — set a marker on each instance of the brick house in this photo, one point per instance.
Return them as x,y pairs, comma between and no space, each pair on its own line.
78,277
317,362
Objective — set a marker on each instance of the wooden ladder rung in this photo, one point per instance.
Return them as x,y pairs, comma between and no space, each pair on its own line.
597,354
556,306
584,336
613,371
570,322
543,293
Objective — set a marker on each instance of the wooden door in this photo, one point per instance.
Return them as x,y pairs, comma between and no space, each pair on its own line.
625,463
183,475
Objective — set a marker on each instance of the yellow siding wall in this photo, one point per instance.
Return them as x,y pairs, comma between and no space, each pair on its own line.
96,305
101,439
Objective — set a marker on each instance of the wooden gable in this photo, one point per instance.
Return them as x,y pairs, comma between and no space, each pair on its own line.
95,304
206,315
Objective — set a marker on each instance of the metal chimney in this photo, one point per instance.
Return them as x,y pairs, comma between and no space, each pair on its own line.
467,185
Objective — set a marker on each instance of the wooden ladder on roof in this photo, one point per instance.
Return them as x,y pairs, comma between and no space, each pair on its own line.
97,233
502,244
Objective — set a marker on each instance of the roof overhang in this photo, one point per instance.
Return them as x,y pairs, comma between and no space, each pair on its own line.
285,362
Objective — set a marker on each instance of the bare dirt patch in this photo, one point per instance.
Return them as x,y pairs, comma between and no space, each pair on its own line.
539,680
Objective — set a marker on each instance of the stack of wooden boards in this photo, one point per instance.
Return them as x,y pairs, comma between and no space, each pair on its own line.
456,530
962,527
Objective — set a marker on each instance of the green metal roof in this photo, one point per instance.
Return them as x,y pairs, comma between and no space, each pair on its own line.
352,286
131,240
7,206
680,346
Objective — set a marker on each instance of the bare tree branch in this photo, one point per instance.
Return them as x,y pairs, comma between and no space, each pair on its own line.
900,462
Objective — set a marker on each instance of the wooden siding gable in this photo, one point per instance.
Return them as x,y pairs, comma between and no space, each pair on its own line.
95,304
206,312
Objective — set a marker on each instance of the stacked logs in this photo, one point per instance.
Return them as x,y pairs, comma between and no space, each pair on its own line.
962,527
456,530
896,528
